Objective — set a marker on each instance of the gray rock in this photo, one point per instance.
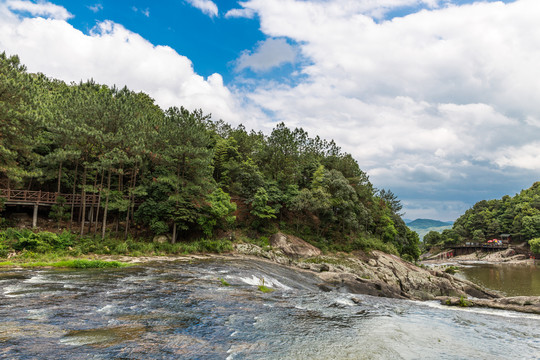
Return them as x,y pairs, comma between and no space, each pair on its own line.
293,246
161,239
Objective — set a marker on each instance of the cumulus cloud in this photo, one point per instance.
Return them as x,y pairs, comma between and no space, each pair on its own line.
107,54
425,99
267,54
208,7
240,13
41,8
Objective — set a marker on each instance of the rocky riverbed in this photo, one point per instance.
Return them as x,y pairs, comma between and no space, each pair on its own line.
381,274
376,274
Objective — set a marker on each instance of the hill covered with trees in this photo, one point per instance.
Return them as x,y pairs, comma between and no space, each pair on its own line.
518,216
179,172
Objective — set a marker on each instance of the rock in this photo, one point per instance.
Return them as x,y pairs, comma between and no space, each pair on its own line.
528,304
161,239
508,253
293,246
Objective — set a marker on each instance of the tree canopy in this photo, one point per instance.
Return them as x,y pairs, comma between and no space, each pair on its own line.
179,172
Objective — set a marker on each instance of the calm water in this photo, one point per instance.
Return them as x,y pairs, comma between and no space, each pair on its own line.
181,311
511,280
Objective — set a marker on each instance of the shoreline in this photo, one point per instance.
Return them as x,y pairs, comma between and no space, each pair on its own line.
376,274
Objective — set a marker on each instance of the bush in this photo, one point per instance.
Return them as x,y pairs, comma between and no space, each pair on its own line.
535,245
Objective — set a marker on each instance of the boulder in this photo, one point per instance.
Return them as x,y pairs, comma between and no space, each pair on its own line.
161,239
293,246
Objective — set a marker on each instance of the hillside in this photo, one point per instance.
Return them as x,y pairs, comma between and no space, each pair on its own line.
428,223
180,173
424,226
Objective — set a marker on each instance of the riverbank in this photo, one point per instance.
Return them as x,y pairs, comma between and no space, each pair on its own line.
508,256
376,273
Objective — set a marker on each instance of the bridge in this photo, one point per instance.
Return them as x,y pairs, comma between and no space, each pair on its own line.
469,248
43,198
28,197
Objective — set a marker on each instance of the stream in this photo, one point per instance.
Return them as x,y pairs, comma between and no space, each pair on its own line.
181,310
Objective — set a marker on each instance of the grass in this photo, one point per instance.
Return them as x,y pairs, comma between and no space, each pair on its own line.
263,288
224,282
26,246
74,264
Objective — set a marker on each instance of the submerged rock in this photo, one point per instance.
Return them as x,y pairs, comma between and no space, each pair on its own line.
527,304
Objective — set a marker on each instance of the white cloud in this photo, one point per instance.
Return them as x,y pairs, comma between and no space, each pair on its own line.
240,13
145,12
208,7
41,8
439,91
267,54
526,156
95,8
113,55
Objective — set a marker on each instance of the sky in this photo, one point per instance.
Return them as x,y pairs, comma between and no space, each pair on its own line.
437,100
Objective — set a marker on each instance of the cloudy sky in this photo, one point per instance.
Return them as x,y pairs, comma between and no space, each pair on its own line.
438,100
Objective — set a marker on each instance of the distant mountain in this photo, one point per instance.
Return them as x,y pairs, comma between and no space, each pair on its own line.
423,226
428,223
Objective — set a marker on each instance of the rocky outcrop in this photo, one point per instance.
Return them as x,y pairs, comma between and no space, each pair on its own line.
293,246
527,304
381,274
389,276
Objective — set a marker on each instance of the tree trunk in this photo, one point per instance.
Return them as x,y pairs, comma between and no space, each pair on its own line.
120,190
91,222
173,240
106,205
59,177
73,193
83,201
131,197
99,201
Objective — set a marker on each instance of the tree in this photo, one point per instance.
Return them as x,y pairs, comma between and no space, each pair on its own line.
535,245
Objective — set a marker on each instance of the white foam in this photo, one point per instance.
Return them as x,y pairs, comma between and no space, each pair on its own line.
11,289
38,279
107,309
477,310
269,282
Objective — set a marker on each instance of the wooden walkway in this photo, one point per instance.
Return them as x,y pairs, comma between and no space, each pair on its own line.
472,247
28,197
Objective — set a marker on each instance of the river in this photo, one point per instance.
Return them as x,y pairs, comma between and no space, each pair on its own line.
180,310
508,279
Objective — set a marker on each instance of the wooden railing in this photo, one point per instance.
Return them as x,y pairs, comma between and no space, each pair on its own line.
43,197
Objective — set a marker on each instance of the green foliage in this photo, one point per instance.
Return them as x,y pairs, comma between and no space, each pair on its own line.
535,245
224,282
60,211
179,172
217,212
518,216
451,269
74,264
260,207
464,302
264,288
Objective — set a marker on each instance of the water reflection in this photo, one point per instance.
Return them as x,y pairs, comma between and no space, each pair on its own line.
509,279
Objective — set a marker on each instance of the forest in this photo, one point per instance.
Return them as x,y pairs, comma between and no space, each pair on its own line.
518,216
181,173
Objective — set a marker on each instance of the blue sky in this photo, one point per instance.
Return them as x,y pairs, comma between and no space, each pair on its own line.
438,100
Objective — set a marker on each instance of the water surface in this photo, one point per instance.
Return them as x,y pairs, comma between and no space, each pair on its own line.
182,311
509,279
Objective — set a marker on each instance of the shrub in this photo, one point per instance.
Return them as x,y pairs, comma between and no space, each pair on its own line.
535,245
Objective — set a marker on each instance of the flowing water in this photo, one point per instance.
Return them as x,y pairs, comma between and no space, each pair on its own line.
509,279
179,310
